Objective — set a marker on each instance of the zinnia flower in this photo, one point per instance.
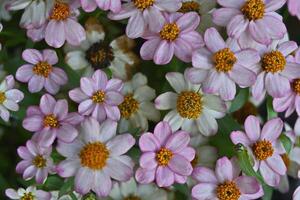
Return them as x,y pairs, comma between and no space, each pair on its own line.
294,8
98,96
91,5
40,72
176,35
264,146
96,157
192,110
30,193
225,182
166,157
51,120
37,162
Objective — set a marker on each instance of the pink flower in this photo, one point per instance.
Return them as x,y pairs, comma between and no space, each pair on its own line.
255,17
176,35
36,162
144,14
225,182
296,194
166,156
96,158
294,8
51,120
40,73
91,5
220,65
30,192
264,146
98,96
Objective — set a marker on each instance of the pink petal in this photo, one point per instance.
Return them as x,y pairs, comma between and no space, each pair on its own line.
148,142
164,177
272,129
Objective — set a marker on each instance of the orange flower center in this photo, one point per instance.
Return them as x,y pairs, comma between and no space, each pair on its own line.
273,62
163,156
51,121
129,106
98,97
263,149
42,69
295,86
61,11
2,97
224,60
143,4
170,32
228,191
189,6
189,104
254,9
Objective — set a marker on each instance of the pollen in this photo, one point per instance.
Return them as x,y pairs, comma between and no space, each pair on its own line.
228,191
94,155
254,9
143,4
295,87
132,197
28,196
224,60
51,121
39,161
286,160
263,149
98,97
189,6
61,11
100,55
129,106
163,156
170,32
42,69
189,104
273,62
2,97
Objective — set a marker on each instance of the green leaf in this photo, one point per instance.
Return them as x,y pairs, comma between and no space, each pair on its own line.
72,195
66,187
286,142
268,192
239,100
271,113
53,183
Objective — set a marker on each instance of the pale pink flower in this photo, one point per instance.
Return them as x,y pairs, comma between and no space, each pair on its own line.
294,9
296,194
30,192
91,5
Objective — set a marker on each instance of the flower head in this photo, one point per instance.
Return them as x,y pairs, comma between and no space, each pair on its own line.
30,193
294,8
91,5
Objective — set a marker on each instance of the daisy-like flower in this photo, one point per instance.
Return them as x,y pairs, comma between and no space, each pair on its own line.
96,157
37,162
294,8
51,120
40,72
130,190
225,182
191,109
30,193
94,53
9,97
91,5
220,65
264,146
98,96
176,35
55,196
166,157
137,108
256,17
35,12
144,14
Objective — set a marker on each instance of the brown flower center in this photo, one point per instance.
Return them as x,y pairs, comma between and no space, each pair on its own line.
51,121
170,32
2,97
163,156
189,6
39,161
189,104
27,196
94,155
228,191
132,197
42,69
224,60
273,62
129,106
295,86
143,4
241,115
263,149
61,11
253,9
195,161
98,97
99,55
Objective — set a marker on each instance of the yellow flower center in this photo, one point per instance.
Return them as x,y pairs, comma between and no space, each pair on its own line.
254,9
263,149
189,104
132,197
94,155
42,69
143,4
129,106
195,161
51,121
27,196
228,191
295,86
2,97
241,115
224,60
189,6
39,161
163,156
286,160
170,32
273,62
99,55
98,97
61,11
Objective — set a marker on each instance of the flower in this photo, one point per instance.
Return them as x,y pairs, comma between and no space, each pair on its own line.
94,53
55,196
192,110
91,5
9,97
258,18
132,190
225,182
296,194
30,193
176,35
40,72
51,120
137,108
4,13
144,14
96,157
294,8
220,65
98,96
166,156
264,146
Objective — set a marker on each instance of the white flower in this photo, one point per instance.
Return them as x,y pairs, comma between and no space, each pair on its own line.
137,107
30,193
55,196
191,109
